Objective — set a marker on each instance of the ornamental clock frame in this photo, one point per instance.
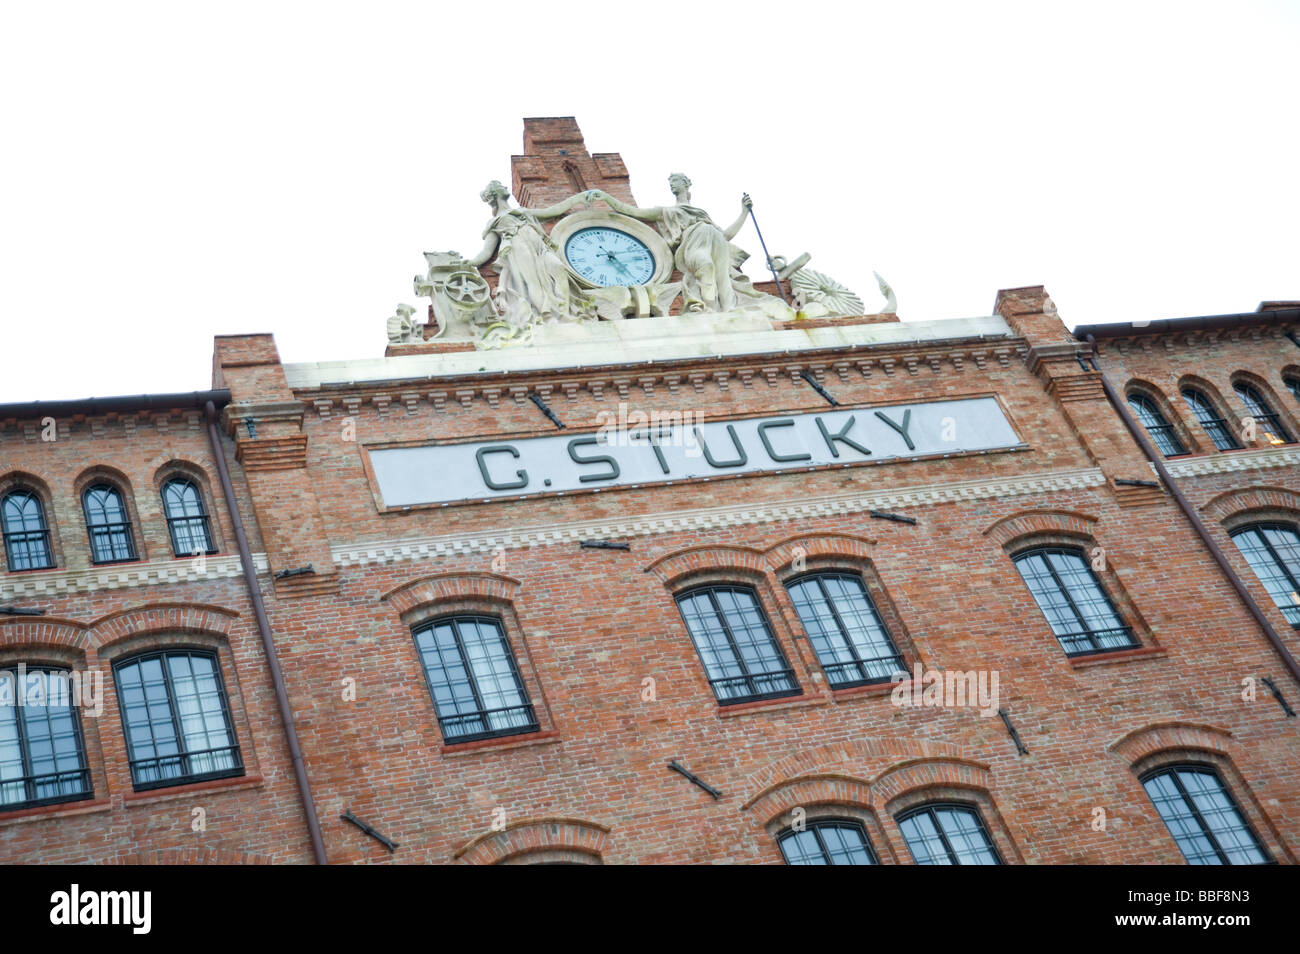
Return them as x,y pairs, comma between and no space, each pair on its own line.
571,225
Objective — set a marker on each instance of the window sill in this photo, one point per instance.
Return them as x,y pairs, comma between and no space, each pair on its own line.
506,742
1119,655
875,689
770,705
61,810
149,797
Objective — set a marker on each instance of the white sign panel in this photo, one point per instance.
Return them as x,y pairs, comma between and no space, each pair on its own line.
641,449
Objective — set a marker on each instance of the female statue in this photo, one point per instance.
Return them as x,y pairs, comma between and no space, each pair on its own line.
702,251
534,283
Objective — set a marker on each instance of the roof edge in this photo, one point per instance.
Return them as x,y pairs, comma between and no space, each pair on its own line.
121,404
1120,329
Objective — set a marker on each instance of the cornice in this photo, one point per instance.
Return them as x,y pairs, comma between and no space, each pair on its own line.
712,518
55,583
1265,458
673,377
1180,339
95,426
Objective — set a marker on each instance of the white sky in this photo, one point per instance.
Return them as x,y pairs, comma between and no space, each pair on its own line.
174,171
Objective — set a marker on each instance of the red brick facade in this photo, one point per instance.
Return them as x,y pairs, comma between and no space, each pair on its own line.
601,647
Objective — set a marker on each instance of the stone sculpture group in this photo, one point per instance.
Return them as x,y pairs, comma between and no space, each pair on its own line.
536,287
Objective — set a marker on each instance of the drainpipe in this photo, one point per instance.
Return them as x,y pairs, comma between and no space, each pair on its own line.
268,641
1202,531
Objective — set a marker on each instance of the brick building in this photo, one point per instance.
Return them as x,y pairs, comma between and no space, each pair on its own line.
636,591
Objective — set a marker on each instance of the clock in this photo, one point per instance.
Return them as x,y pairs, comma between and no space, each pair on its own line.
608,250
606,256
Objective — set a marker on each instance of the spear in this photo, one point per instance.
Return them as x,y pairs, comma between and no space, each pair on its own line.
770,267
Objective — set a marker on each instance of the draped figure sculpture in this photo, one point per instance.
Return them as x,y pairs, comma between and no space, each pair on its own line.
534,284
701,251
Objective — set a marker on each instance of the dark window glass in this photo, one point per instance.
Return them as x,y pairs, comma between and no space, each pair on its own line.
176,718
476,687
108,524
187,521
1292,385
741,657
1213,425
1273,552
26,535
845,629
1202,817
1270,424
42,756
948,835
1162,432
827,842
1070,596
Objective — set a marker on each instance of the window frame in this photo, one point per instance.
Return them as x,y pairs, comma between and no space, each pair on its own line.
122,526
530,708
1213,425
135,659
43,534
1173,769
27,778
711,589
203,517
1257,528
929,807
1261,409
1046,549
1141,402
819,575
828,821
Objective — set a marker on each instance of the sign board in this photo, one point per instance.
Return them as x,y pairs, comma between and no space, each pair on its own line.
638,448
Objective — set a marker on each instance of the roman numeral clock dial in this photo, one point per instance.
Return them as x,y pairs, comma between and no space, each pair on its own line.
608,256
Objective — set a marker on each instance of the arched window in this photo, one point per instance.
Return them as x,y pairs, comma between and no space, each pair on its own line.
845,629
108,524
475,682
1273,552
1292,383
1274,431
26,534
1209,419
42,756
827,841
176,719
1202,816
1071,597
1161,431
731,633
187,520
948,834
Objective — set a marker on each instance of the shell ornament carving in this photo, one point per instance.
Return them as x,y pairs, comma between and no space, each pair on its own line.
818,294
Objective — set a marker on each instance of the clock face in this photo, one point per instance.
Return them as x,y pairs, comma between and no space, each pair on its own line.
607,256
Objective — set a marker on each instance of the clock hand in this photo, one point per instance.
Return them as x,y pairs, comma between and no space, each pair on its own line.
621,267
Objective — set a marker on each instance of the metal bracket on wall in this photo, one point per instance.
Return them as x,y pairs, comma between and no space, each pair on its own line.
21,611
545,409
386,842
1015,736
603,545
896,517
299,571
694,779
819,389
1277,694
